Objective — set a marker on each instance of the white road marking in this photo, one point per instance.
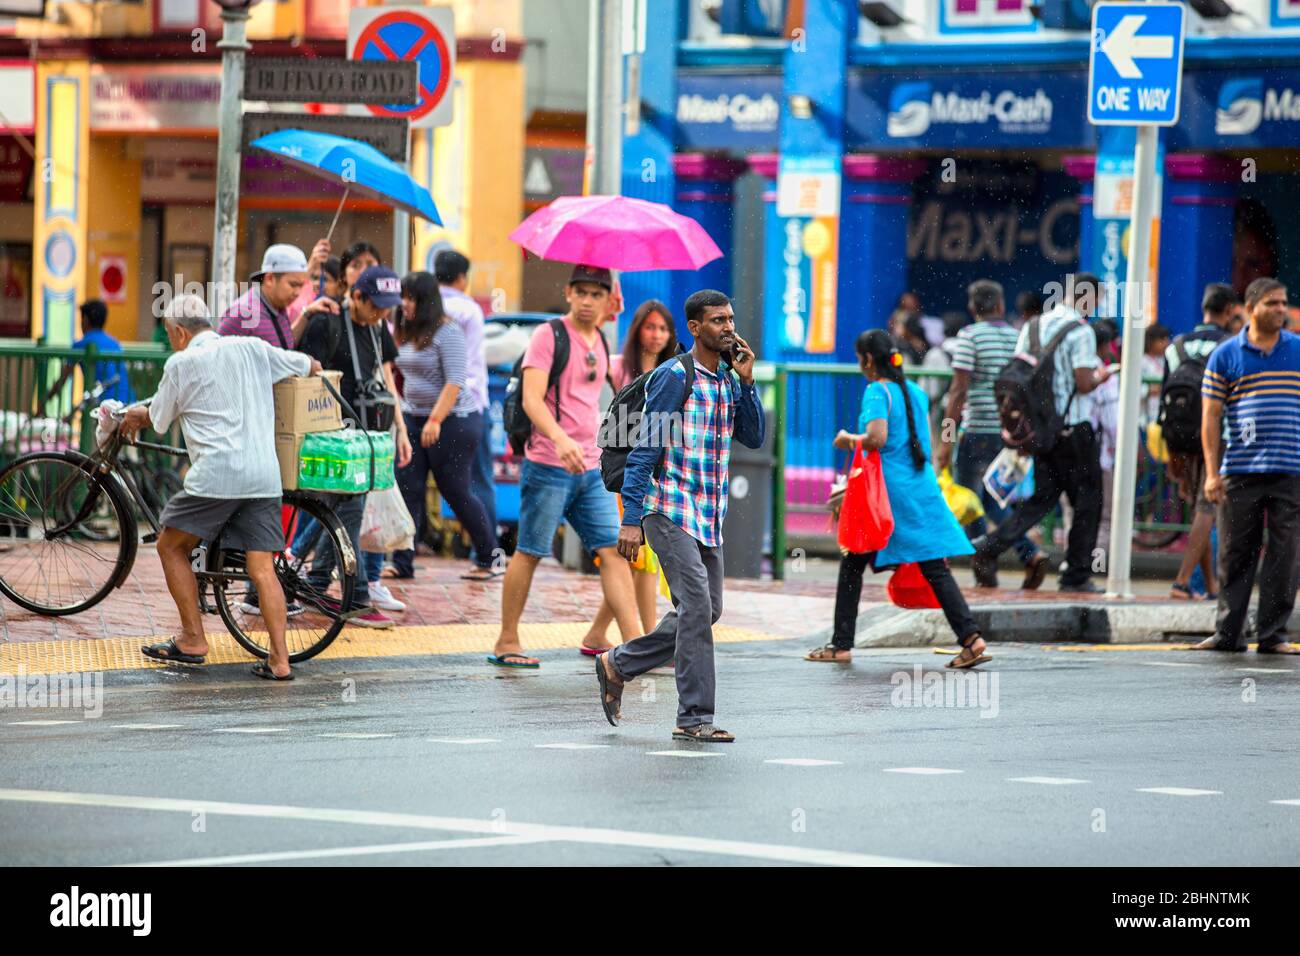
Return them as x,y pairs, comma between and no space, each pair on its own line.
680,753
355,736
1266,670
1180,791
463,740
1287,803
344,851
806,762
146,726
921,770
248,730
41,723
539,831
1167,664
571,746
1048,781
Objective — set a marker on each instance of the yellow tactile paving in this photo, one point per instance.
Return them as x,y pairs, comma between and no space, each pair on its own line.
123,653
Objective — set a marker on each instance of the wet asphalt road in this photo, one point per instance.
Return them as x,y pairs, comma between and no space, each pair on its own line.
1049,767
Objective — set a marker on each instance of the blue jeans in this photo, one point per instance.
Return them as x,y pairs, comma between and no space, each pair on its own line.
550,495
481,484
975,452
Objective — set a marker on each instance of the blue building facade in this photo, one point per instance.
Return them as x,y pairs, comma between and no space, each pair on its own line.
955,133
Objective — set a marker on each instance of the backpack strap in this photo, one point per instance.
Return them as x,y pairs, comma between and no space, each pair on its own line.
1180,350
559,360
1035,341
1050,351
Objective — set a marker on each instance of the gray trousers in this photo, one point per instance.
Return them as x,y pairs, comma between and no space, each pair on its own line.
694,575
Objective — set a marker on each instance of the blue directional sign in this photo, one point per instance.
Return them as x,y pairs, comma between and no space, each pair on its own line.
1135,67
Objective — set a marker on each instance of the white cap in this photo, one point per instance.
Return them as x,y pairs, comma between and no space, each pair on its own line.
281,258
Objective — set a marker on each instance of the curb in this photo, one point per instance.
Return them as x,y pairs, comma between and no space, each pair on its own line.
884,625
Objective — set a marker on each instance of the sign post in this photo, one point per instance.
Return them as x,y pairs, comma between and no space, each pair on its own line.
422,35
233,46
1135,73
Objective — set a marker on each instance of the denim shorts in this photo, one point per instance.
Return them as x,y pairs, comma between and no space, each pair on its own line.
550,495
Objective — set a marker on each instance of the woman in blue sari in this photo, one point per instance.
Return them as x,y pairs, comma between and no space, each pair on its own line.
925,531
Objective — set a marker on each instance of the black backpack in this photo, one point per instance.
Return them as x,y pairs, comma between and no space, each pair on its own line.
518,426
621,427
1023,390
1180,403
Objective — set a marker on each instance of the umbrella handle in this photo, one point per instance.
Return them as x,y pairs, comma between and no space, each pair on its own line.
329,235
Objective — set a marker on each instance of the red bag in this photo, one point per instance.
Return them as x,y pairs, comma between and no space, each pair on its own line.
866,520
909,588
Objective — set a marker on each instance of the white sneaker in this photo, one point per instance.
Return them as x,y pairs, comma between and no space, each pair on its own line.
383,599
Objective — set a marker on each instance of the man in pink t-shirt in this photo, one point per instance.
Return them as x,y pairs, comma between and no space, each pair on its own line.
561,480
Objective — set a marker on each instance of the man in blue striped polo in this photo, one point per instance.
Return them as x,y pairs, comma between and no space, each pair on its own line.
1252,381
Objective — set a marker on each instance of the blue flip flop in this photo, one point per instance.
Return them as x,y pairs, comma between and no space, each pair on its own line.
505,661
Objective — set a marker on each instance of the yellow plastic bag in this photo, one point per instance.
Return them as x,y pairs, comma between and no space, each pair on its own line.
962,502
1156,443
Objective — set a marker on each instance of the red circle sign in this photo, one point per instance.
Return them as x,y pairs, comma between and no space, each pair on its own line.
111,280
427,35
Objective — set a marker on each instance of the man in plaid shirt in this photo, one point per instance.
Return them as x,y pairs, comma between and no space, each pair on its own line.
680,509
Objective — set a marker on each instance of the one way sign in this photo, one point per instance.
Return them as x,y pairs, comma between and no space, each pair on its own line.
1135,69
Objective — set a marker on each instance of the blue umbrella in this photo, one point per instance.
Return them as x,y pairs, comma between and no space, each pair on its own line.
357,167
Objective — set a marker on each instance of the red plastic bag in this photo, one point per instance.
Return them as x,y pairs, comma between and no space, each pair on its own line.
866,520
909,588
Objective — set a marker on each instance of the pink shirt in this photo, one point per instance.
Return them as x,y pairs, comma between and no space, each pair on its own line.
579,398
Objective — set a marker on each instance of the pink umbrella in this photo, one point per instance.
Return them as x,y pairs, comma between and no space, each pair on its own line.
616,232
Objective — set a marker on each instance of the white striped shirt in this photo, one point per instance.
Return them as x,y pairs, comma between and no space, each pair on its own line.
219,388
426,371
983,349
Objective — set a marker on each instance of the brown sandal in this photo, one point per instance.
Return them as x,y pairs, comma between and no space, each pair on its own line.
611,693
704,733
830,654
968,658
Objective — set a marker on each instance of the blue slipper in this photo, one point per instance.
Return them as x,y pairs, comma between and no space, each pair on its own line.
508,660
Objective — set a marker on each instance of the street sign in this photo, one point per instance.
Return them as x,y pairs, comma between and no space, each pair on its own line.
1135,67
332,80
387,134
423,35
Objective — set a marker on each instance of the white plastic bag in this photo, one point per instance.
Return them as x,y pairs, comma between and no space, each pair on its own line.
1005,476
105,423
387,525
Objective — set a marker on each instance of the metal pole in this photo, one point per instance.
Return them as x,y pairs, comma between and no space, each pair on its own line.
402,227
1137,302
225,240
605,97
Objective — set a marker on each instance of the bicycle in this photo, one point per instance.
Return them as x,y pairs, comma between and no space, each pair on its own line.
55,504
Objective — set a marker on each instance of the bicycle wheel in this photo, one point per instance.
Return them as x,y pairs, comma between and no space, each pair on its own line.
52,507
320,593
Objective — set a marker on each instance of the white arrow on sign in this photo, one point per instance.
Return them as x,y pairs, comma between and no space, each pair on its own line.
1123,46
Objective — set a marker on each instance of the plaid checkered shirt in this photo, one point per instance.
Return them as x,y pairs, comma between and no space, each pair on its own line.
692,490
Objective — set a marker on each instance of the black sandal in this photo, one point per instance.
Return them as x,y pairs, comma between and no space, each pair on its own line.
613,708
704,733
169,653
967,658
262,669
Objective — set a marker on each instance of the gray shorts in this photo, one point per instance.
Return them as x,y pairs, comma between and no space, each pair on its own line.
245,524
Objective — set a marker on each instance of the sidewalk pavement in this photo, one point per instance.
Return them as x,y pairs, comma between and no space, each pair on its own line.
448,615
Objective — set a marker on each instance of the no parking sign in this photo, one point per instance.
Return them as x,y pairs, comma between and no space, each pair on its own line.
426,35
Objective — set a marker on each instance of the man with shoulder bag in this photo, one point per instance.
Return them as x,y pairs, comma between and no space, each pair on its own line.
359,345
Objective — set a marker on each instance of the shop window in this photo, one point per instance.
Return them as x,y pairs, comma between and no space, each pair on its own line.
15,290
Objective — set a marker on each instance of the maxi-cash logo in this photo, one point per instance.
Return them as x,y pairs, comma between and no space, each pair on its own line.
916,106
1245,104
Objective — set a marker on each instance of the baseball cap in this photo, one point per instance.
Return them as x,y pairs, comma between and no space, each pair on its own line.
380,286
596,274
281,258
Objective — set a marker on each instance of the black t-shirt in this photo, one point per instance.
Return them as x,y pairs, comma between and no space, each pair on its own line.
318,340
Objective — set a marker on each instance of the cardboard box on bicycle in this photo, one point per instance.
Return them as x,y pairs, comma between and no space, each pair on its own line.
303,406
338,461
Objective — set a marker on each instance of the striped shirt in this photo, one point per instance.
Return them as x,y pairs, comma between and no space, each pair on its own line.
1198,344
1260,392
220,390
983,349
426,371
1077,350
251,314
469,316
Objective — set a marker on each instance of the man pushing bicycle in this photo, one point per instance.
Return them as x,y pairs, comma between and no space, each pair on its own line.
219,389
